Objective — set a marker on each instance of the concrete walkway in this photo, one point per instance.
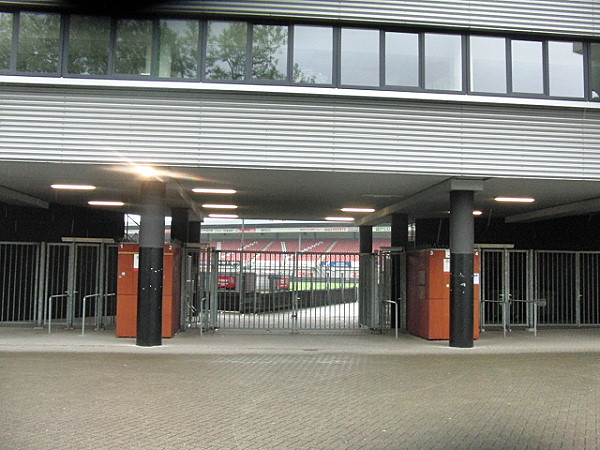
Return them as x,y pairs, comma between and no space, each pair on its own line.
258,390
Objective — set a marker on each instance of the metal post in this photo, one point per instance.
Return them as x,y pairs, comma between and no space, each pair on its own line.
150,281
578,256
399,238
71,285
213,289
461,268
99,310
41,284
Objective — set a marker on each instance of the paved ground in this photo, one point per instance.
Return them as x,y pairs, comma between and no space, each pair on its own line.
255,391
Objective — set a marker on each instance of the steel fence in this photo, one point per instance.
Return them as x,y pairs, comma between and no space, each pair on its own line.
549,288
19,281
47,282
271,290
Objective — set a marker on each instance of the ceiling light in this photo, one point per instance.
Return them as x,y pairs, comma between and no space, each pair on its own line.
213,206
477,212
104,203
214,191
223,216
76,187
340,219
515,199
358,210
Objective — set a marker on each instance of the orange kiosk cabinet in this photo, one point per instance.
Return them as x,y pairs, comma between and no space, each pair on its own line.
428,299
127,289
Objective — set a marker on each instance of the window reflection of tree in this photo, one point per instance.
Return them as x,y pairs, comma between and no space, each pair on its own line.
38,43
178,50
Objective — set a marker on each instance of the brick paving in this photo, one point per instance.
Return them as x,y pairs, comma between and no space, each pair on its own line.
236,390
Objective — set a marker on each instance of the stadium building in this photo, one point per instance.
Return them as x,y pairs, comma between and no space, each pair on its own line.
465,134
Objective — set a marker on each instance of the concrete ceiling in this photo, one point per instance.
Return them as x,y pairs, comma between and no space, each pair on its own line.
298,195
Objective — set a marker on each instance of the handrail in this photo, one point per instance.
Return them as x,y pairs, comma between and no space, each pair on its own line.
395,314
83,301
52,297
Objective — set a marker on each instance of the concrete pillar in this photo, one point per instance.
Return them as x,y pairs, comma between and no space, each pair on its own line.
150,280
399,238
462,242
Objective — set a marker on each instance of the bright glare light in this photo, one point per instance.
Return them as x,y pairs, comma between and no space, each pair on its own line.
223,216
214,191
104,203
147,171
358,210
77,187
515,199
477,212
340,219
212,206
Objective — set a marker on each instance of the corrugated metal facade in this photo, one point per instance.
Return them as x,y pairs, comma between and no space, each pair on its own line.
572,17
298,132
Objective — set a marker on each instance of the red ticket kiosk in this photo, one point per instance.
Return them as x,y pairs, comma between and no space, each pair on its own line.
127,288
428,302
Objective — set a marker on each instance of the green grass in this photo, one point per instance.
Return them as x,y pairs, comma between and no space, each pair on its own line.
319,285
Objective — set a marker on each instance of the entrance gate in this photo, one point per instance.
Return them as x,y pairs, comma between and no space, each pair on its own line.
550,288
283,290
61,283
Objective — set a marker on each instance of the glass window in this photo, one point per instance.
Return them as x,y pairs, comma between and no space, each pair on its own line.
226,50
313,55
6,24
488,64
38,42
269,52
402,59
565,66
89,43
595,71
134,47
443,62
527,67
178,49
360,57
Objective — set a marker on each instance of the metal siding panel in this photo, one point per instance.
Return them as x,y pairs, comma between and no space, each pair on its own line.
296,132
572,17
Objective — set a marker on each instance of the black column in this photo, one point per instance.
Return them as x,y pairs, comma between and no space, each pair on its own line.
461,268
364,271
366,239
179,224
150,282
399,238
194,229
